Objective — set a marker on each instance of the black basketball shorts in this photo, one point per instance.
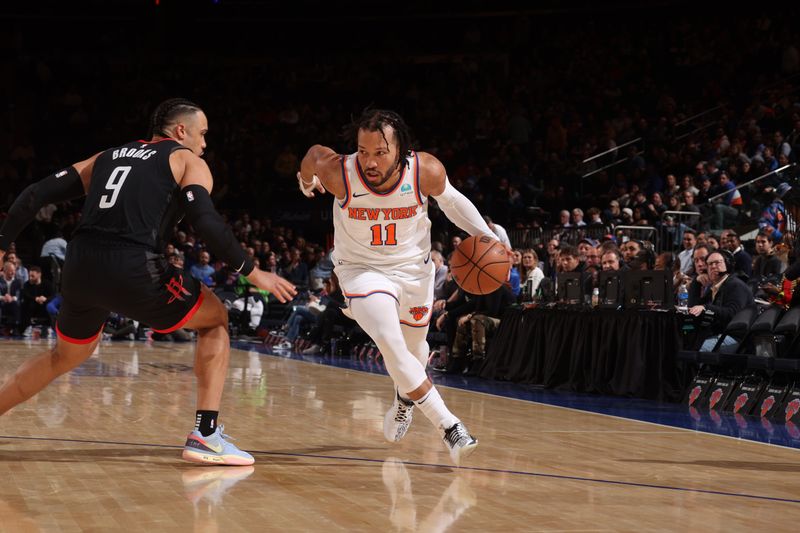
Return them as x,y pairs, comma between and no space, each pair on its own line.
100,277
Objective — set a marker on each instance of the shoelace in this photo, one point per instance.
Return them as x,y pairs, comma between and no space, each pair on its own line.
459,432
403,410
222,433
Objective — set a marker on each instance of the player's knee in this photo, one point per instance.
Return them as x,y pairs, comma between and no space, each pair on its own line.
63,360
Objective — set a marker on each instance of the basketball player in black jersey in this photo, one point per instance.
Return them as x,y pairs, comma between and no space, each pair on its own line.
135,194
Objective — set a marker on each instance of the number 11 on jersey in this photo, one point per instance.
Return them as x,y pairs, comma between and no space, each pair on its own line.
377,235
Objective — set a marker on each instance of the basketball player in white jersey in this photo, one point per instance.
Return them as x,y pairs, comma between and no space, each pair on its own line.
382,256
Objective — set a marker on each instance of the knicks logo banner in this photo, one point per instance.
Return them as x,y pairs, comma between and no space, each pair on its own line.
419,312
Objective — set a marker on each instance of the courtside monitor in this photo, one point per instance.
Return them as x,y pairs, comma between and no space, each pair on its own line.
648,289
610,284
569,289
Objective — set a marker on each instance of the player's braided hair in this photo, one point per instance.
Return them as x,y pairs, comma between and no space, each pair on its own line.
166,114
374,120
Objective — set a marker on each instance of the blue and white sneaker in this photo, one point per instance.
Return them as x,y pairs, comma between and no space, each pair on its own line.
214,449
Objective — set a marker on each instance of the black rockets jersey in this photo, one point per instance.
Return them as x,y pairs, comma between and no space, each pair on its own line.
133,197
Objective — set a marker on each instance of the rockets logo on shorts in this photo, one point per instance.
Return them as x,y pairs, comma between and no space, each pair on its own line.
176,289
419,312
190,196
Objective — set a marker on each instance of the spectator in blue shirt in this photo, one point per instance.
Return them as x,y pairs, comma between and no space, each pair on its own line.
202,271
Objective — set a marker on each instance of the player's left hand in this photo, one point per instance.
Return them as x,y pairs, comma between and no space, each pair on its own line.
281,288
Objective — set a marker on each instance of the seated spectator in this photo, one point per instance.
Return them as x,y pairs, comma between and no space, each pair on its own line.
10,293
699,282
551,263
726,208
689,206
202,270
728,295
481,319
118,327
685,256
306,315
332,316
55,247
176,259
22,272
630,249
773,218
610,260
296,270
440,276
766,266
322,269
531,273
35,295
741,259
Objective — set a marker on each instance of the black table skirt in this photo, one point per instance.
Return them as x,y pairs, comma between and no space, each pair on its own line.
624,353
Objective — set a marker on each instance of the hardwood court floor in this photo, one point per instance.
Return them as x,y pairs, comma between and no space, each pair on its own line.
99,450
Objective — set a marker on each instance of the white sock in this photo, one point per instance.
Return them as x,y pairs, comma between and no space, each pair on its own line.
434,408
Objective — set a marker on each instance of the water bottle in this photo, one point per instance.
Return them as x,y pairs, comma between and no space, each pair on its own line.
595,297
683,299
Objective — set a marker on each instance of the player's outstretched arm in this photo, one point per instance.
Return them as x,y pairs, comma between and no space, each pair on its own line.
62,186
457,207
321,170
196,183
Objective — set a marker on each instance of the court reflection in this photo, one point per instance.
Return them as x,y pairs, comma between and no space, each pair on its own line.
457,498
206,487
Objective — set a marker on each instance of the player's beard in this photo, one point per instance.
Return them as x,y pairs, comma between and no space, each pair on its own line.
388,175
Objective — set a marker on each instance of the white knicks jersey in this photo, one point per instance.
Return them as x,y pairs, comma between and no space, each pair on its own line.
381,229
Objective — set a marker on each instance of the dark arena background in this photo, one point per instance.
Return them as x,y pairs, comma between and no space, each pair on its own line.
628,377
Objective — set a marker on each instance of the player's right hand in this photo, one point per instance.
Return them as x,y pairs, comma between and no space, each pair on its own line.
308,187
282,289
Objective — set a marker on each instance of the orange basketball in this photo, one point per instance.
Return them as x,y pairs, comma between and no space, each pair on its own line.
480,264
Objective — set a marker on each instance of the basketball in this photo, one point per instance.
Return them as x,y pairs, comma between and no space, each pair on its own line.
480,264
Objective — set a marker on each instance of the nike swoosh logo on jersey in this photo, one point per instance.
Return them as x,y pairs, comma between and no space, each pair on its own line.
427,259
356,195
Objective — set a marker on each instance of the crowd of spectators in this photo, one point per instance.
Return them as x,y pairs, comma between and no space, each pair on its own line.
672,116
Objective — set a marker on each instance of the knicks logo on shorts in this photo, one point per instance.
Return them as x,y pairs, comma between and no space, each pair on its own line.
176,289
419,312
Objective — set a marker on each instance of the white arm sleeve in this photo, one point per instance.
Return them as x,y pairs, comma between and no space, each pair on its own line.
462,212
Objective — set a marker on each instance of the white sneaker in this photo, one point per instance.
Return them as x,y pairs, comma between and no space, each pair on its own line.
459,442
28,333
283,345
397,419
